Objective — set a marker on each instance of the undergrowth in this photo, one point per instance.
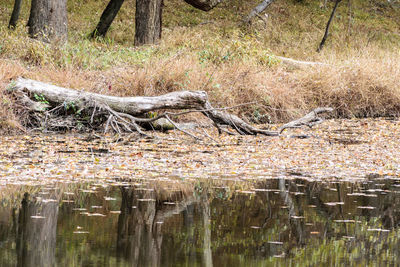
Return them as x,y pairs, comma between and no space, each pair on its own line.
215,52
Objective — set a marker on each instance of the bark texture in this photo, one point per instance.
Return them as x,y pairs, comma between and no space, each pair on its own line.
15,14
204,5
48,20
148,21
107,18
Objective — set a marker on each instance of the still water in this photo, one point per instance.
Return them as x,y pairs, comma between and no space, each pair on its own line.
279,222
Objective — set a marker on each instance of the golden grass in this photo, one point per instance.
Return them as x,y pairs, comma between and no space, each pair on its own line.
234,64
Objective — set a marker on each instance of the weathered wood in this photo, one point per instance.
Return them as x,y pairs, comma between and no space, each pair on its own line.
48,20
308,120
148,21
130,105
127,112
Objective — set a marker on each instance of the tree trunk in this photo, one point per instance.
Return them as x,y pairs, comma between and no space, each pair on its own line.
107,18
15,14
48,20
321,45
148,21
204,5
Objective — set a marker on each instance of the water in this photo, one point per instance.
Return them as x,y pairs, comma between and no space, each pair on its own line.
279,222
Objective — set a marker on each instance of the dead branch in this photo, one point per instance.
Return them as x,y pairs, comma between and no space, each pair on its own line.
308,120
257,10
67,109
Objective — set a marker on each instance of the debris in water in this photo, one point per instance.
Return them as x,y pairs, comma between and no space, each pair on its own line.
96,215
378,230
37,217
334,203
275,242
346,221
366,207
115,211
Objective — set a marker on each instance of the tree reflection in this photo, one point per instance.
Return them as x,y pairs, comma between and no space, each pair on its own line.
140,223
207,253
139,236
295,213
36,232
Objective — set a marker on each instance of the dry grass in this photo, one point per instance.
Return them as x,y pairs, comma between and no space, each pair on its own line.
234,64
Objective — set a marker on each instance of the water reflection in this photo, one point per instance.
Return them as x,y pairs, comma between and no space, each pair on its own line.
36,232
281,221
139,230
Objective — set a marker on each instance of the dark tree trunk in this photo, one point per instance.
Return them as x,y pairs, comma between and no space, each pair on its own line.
321,45
148,21
48,20
204,5
107,18
15,14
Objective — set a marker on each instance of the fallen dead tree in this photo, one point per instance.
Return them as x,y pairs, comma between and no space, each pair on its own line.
52,107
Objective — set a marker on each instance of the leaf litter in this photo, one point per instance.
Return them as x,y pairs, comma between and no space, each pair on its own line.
40,159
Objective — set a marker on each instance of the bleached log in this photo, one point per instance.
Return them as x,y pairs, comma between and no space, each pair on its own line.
126,113
130,105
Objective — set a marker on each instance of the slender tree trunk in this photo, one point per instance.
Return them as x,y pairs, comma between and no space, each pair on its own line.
107,18
321,45
48,20
148,21
15,14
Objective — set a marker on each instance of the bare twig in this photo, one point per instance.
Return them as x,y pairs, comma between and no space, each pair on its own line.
183,131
